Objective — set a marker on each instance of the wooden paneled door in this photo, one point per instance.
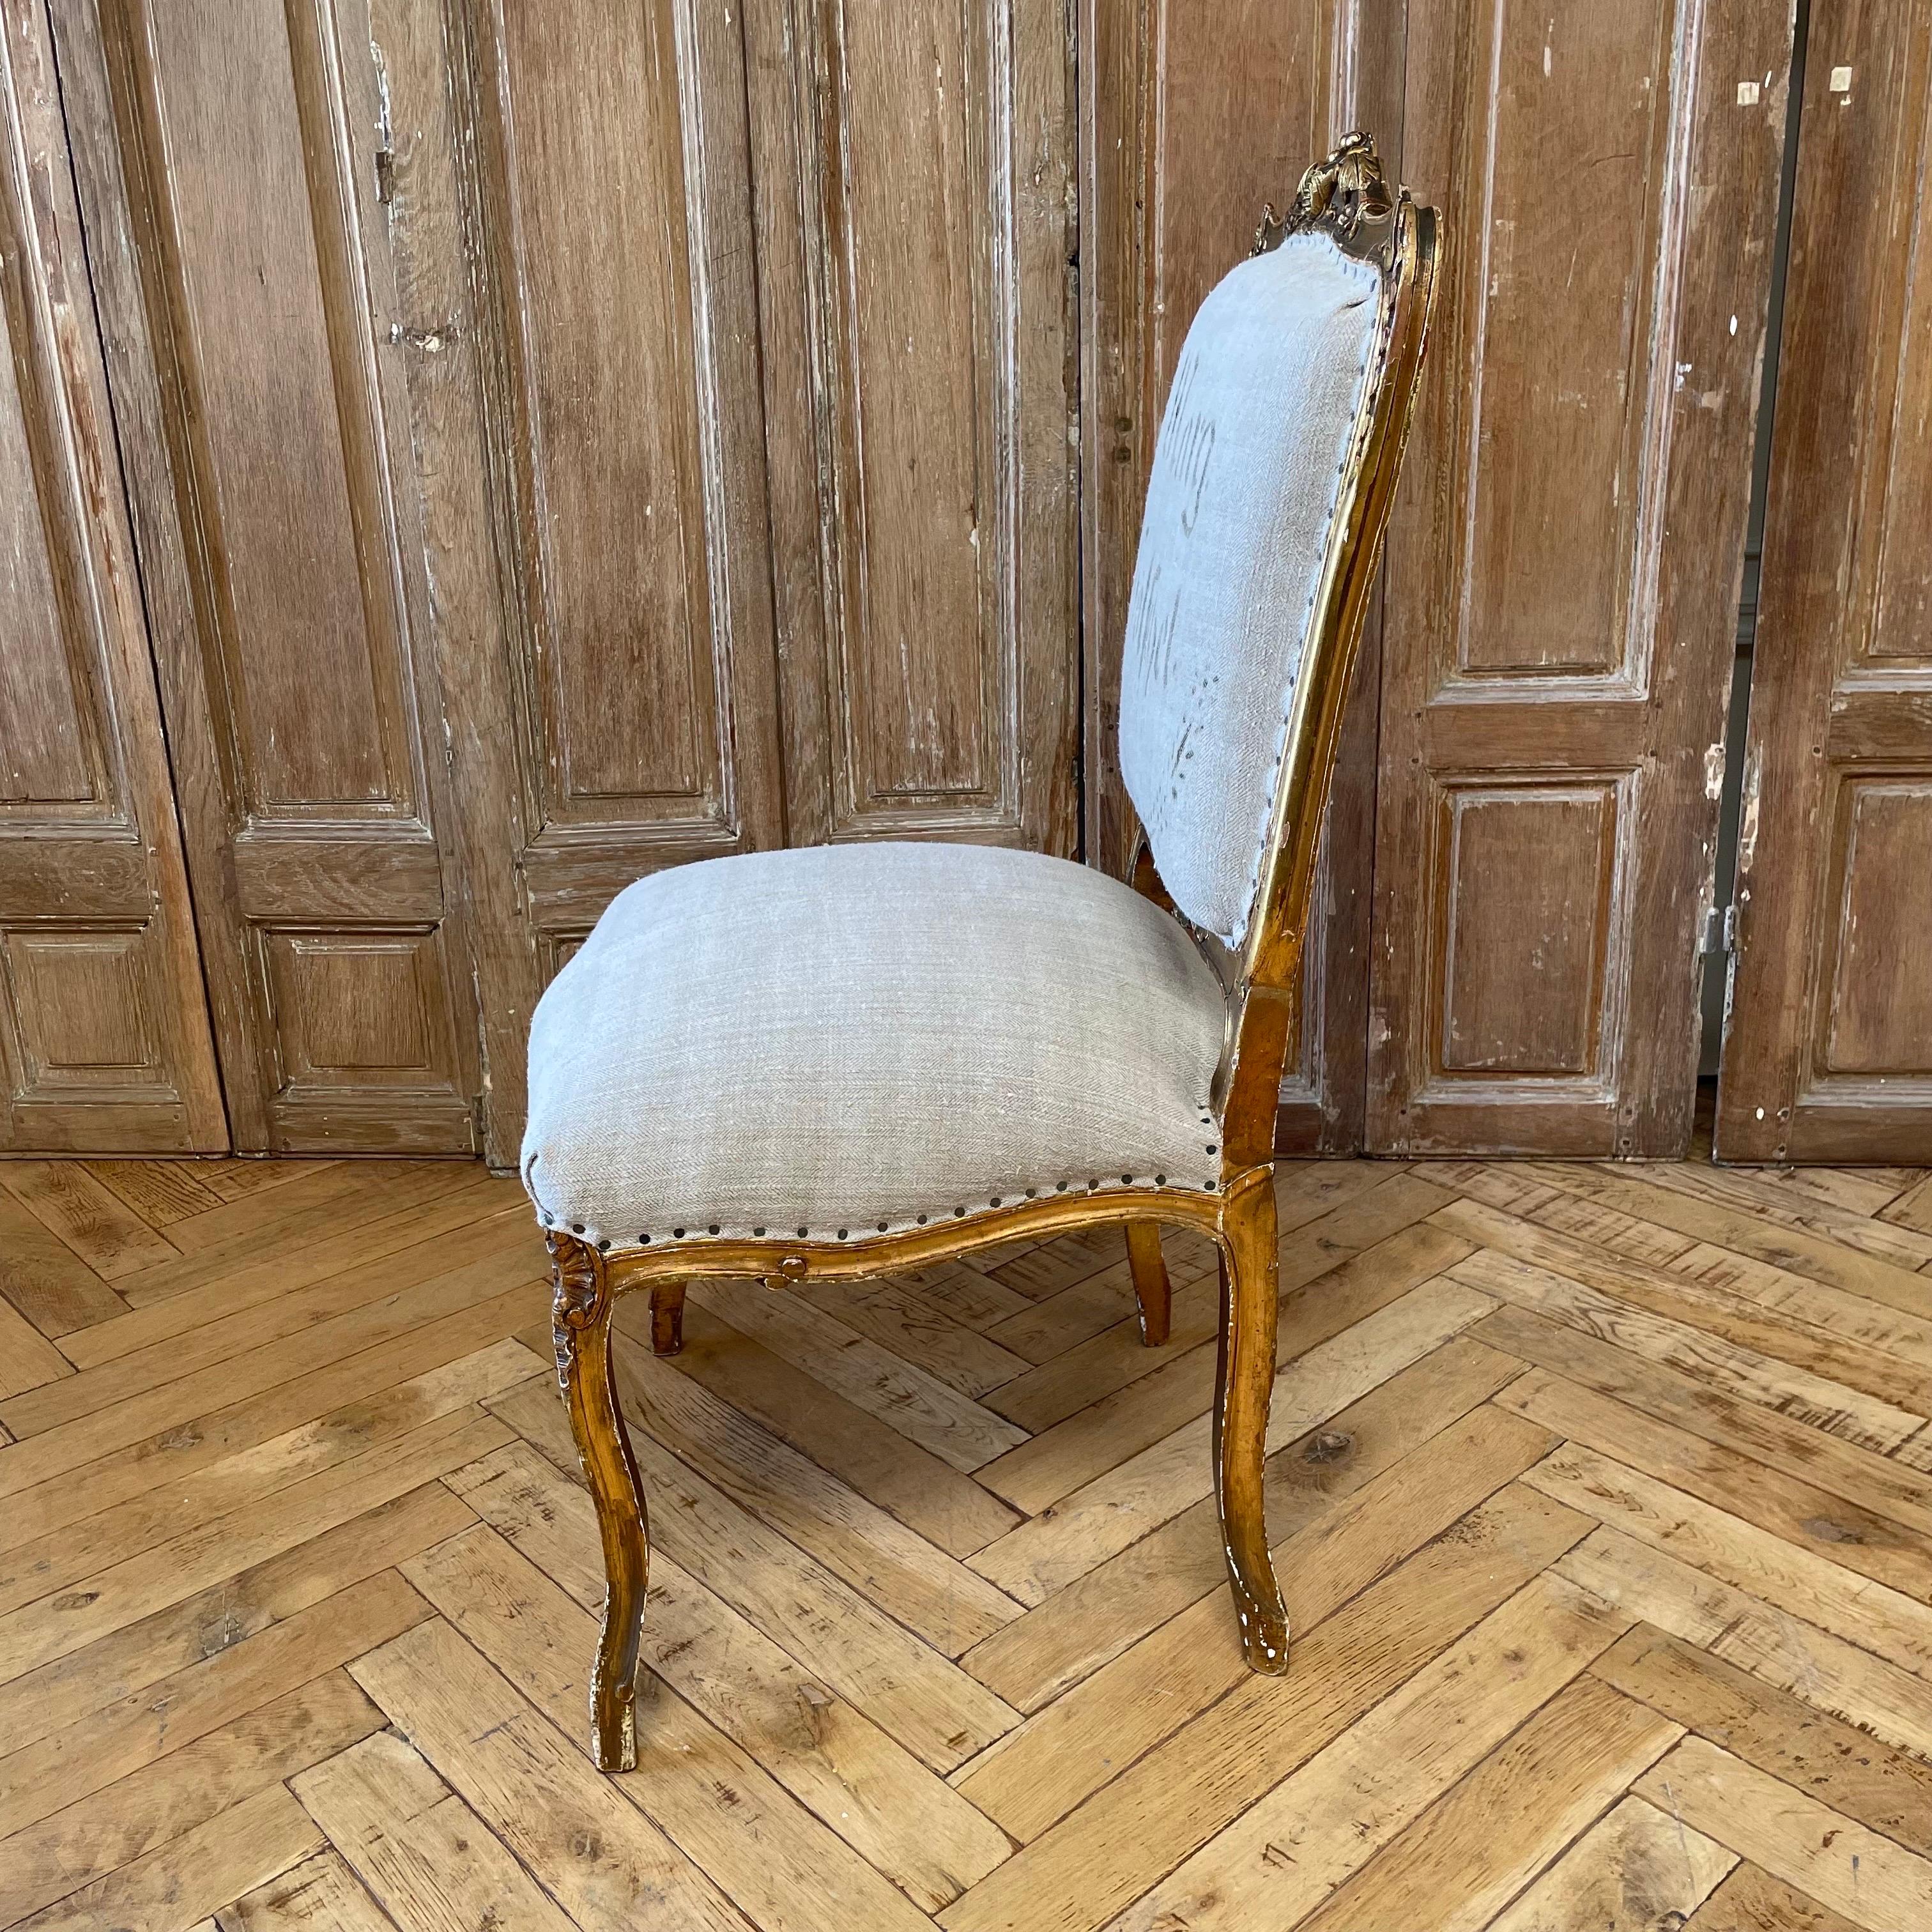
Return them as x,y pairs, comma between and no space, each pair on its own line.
913,162
739,344
104,1037
226,151
1195,118
1564,565
1827,1054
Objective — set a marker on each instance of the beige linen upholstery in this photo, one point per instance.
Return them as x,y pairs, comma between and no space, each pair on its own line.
1239,509
847,1039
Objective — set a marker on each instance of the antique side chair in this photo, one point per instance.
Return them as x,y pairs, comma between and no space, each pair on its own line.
856,1059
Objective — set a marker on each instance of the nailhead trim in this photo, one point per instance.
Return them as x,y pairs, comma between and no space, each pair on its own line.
1094,1185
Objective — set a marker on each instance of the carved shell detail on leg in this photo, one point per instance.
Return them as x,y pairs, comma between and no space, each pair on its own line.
579,1298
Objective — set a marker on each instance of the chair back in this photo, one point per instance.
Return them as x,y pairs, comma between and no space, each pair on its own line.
1269,492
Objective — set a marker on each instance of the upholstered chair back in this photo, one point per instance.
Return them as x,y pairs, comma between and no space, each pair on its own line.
1267,399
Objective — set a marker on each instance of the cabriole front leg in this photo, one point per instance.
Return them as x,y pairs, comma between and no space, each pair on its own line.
581,1326
1250,1282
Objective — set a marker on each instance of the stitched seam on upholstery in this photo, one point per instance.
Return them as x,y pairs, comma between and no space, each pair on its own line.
1253,892
933,1218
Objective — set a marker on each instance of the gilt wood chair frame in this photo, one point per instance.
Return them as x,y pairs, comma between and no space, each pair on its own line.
1347,197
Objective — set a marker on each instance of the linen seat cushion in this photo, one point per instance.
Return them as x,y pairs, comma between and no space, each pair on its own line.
1267,399
846,1039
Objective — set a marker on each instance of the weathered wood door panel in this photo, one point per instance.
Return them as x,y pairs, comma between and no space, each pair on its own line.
104,1036
913,164
1195,118
1564,565
227,150
571,223
1827,1054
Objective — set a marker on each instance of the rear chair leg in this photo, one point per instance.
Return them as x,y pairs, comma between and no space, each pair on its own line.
581,1327
1245,1380
667,1317
1151,1290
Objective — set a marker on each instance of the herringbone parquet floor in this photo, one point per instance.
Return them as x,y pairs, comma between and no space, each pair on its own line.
1602,1499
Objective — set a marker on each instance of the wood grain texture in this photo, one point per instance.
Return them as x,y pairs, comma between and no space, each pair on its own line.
1564,567
288,598
1600,1619
104,1038
1191,123
1826,1052
912,168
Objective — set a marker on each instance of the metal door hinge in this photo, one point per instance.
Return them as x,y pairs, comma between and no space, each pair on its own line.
1720,930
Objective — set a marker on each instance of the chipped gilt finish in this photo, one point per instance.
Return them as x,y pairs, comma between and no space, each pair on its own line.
1347,196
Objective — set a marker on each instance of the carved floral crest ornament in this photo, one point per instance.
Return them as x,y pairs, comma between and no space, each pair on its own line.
1270,494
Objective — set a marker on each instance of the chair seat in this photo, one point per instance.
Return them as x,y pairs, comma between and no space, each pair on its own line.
846,1040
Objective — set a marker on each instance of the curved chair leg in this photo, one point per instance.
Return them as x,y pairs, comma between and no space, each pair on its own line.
581,1327
1244,1381
667,1317
1150,1284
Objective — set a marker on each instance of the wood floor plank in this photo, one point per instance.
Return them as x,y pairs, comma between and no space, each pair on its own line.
231,1176
780,1864
257,1216
1699,1408
1706,1219
381,1190
1472,1851
1824,1669
1679,1341
67,1765
1751,1900
131,1662
48,1861
1097,1616
1175,1798
239,1332
573,1829
1912,1209
1043,1268
160,1191
1109,1361
429,1860
1765,1196
252,1476
45,1280
900,1318
1750,1298
97,1224
320,1894
176,1449
917,1581
930,1496
406,1315
1044,1330
1281,1857
378,1249
28,1360
68,1620
915,1693
1121,1422
921,1407
169,1889
1886,1621
1069,1748
910,1823
1872,1881
1638,1869
1833,1527
1838,1764
965,1295
1102,1518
